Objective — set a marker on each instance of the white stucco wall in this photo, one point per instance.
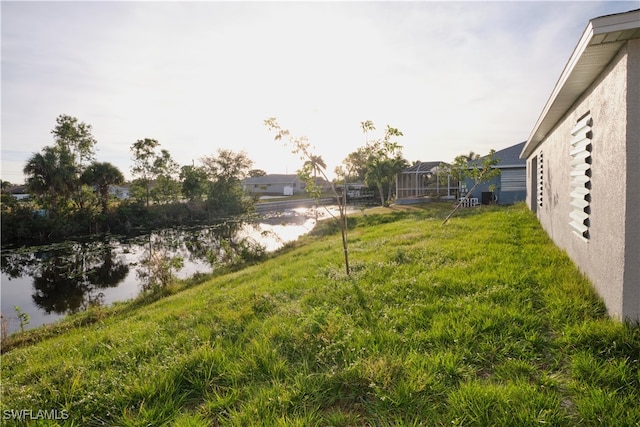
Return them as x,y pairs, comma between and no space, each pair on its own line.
602,258
631,302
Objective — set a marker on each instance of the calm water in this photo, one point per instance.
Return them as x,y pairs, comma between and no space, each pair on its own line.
49,282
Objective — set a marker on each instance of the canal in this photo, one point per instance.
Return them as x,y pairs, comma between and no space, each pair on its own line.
49,282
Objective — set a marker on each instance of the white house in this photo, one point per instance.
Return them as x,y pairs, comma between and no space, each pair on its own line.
120,191
274,184
583,161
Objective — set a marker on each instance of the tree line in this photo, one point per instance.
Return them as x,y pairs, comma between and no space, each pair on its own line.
71,190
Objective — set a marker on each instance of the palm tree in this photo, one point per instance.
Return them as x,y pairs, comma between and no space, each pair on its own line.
472,156
50,174
317,165
394,166
377,173
102,175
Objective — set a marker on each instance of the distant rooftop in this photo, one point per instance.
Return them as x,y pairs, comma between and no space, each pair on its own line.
272,178
510,156
422,167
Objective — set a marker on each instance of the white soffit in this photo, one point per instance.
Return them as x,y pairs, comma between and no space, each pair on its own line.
599,43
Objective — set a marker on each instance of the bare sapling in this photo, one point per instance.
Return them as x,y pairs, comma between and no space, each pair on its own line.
312,166
471,166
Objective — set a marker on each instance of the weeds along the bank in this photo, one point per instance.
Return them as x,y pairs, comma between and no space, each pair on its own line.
435,325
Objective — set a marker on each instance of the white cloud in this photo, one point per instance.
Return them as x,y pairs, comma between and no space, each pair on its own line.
199,76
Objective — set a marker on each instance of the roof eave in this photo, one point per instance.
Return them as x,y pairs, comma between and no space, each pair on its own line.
600,42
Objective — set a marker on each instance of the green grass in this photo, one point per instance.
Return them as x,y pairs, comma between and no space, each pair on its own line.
479,322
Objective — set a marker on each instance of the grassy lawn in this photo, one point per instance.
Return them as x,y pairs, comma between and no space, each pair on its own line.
482,321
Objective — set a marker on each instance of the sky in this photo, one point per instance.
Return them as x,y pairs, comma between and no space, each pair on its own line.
199,76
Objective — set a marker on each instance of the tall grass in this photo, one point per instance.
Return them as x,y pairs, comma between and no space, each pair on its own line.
480,322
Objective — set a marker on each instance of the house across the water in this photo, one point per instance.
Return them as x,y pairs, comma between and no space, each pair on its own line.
274,184
278,184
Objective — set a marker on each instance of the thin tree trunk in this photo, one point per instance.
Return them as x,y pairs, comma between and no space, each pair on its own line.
104,192
460,202
390,191
381,191
343,218
53,197
315,181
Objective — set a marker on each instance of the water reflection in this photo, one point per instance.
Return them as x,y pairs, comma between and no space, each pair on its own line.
51,282
166,251
73,281
67,278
